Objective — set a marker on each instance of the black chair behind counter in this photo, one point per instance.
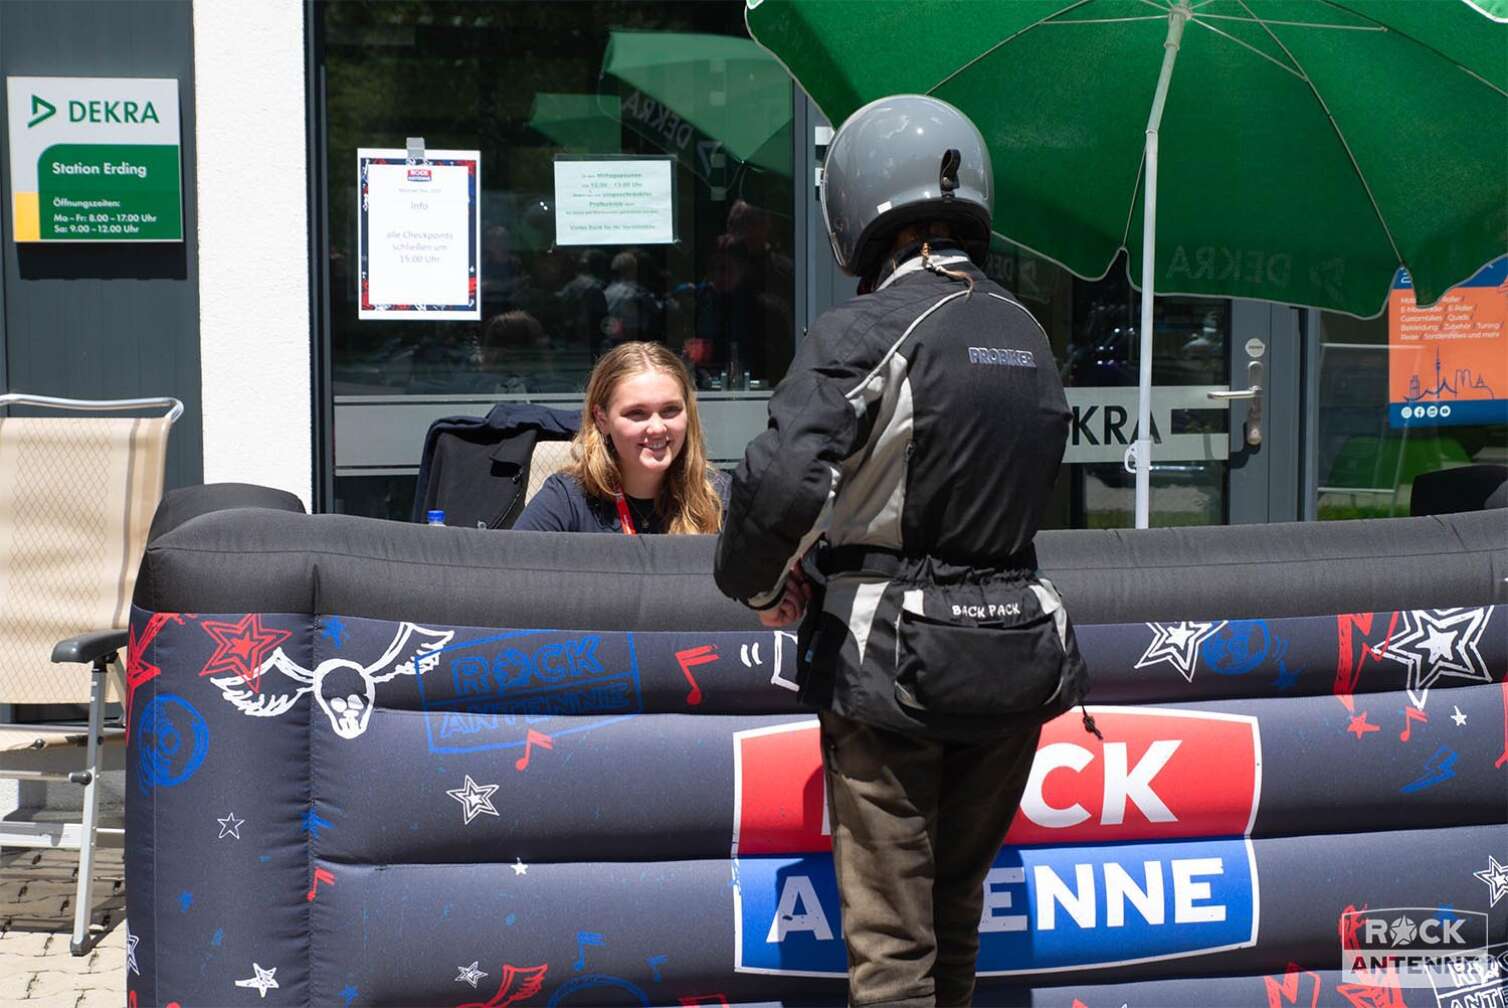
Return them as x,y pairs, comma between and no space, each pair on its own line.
477,469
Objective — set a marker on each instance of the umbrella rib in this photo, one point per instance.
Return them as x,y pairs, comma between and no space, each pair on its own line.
1355,166
1119,20
1141,167
1247,45
1468,71
1016,34
1295,24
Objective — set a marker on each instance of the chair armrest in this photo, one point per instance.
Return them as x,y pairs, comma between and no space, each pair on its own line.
87,647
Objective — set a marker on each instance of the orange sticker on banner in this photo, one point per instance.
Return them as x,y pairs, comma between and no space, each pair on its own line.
1448,363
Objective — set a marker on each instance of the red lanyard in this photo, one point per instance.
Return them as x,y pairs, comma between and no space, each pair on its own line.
624,517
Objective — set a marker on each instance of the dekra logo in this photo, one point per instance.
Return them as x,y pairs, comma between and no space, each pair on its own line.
41,110
111,111
98,110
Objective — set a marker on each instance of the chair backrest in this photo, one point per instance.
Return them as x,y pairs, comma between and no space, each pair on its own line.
76,501
548,459
1462,488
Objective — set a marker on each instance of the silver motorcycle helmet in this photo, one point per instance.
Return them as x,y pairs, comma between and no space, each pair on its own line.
897,161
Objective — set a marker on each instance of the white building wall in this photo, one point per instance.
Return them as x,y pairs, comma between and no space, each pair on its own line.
253,243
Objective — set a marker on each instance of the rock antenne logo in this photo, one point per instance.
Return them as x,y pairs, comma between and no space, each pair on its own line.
1128,850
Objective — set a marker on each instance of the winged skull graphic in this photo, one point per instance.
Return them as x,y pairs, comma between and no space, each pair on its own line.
344,689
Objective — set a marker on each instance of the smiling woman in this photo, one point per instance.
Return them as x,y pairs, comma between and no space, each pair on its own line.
638,462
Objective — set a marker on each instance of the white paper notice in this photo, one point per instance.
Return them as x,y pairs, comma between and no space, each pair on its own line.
419,231
617,201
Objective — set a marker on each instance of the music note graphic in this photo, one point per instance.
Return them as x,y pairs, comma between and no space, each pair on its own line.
531,740
583,939
320,875
689,659
655,962
1410,715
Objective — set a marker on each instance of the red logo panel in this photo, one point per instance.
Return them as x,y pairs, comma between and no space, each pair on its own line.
1158,775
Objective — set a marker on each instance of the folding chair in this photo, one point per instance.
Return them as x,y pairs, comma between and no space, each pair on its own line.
76,500
548,458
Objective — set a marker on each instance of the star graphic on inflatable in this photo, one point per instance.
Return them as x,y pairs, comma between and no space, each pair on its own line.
1178,644
131,942
1437,643
518,866
262,979
334,631
477,799
230,826
139,671
1458,717
470,974
1496,877
241,648
1359,725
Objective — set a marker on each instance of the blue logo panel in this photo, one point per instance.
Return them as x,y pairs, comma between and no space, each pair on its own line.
1045,908
486,694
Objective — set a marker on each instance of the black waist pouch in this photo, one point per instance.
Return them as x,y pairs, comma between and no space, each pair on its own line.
987,650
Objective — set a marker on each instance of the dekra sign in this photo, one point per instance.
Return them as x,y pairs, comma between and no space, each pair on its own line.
111,111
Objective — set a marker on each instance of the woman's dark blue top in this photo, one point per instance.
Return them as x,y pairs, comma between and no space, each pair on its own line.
561,505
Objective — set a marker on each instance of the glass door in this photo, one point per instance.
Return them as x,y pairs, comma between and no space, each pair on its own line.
1211,449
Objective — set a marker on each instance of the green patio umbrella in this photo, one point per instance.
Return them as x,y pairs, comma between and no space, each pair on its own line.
578,123
1297,151
690,91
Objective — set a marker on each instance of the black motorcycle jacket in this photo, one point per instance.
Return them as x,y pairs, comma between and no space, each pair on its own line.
918,433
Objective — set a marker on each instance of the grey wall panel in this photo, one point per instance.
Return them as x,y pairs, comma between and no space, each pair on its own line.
104,320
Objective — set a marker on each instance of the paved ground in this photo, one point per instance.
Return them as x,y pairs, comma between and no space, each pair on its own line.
36,917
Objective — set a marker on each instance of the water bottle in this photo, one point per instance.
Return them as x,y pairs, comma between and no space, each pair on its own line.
436,517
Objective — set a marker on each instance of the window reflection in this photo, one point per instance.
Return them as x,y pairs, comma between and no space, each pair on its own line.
1093,328
1366,466
525,85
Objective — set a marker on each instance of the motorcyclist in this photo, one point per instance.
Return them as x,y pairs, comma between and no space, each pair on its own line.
914,441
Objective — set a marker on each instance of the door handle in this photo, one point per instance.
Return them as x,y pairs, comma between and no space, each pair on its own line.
1252,392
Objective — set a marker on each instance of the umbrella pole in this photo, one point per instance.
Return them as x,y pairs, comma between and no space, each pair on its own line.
1177,15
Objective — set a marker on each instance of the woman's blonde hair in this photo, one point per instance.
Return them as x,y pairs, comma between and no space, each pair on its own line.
687,500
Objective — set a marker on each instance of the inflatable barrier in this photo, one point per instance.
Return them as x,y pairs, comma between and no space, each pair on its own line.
380,764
